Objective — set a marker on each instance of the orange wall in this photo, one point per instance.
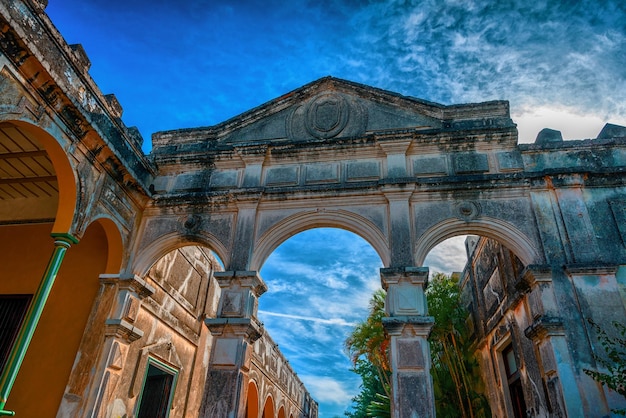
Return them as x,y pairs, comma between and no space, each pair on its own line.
24,253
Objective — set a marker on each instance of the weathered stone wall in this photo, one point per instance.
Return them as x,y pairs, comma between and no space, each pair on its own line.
506,309
401,172
171,324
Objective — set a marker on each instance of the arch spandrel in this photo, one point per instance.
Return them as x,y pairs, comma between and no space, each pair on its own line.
154,251
281,230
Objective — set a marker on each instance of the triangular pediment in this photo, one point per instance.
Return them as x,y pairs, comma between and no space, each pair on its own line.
330,108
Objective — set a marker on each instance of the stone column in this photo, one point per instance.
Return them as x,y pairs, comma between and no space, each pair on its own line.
235,329
61,244
408,327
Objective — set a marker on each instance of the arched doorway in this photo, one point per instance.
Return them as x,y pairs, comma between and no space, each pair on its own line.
252,401
485,302
37,198
169,358
268,408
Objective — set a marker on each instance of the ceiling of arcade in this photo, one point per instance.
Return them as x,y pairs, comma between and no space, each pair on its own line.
27,178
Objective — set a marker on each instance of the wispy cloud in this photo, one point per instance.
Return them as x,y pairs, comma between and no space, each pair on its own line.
332,321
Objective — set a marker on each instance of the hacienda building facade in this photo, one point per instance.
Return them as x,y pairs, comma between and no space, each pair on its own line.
113,302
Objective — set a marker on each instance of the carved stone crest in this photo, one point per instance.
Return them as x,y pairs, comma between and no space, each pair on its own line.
327,115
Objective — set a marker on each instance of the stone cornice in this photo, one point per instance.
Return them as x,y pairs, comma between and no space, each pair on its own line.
545,326
57,71
249,328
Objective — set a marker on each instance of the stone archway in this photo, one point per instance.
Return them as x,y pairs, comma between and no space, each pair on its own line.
402,173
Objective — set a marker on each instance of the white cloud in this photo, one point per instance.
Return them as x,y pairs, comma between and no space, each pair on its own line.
327,389
448,256
571,123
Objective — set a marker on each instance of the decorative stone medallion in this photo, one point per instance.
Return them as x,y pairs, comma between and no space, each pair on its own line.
467,211
329,114
326,115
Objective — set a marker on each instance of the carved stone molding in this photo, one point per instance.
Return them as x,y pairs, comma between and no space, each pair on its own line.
419,325
544,326
123,330
132,283
248,328
395,275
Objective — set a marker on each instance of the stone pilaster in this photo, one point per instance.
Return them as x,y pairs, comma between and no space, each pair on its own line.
408,327
121,295
396,158
253,158
244,233
235,330
400,224
547,333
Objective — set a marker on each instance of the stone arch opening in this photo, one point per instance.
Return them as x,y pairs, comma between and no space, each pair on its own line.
292,225
496,229
493,284
281,412
183,293
37,177
268,408
38,196
115,245
57,338
252,401
312,278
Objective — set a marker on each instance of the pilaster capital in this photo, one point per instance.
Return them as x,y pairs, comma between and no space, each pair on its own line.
250,329
248,202
410,325
534,275
390,276
545,326
64,239
395,193
129,282
395,147
241,280
122,329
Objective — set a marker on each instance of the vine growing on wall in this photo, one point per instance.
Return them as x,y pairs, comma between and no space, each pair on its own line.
614,363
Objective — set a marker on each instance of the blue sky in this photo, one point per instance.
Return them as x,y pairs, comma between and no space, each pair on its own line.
182,64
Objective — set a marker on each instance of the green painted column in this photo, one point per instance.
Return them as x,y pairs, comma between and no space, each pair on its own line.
61,243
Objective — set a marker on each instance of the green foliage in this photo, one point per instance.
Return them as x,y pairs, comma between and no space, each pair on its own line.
368,339
614,362
457,383
379,407
456,375
368,347
371,389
